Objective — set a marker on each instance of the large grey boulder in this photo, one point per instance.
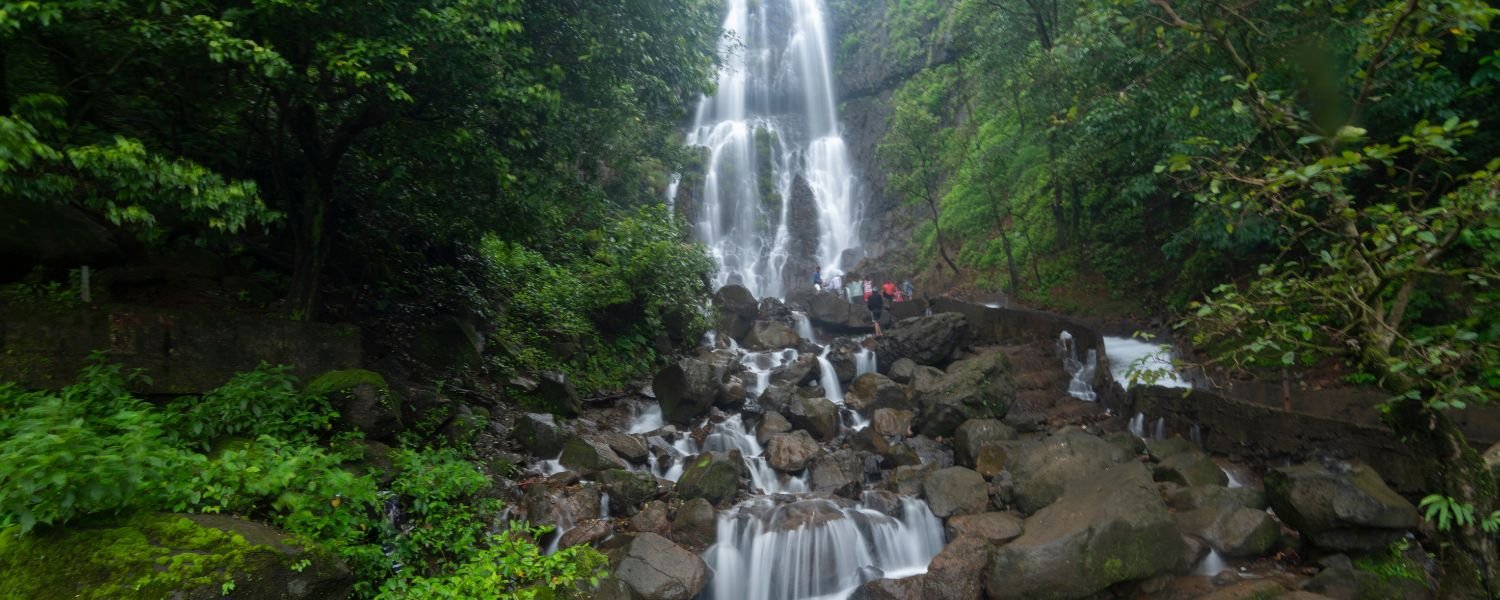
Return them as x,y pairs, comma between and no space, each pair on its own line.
872,391
1189,467
685,390
1345,508
712,476
629,447
628,490
1041,471
833,312
771,423
771,335
737,310
992,527
903,370
818,416
979,387
789,452
651,567
776,397
696,525
841,473
1107,528
906,588
539,434
925,340
957,573
891,422
1226,520
797,372
974,435
956,491
588,456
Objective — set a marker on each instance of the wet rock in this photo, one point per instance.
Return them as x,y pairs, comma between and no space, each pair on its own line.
907,480
818,416
840,473
695,525
908,588
712,476
1042,470
991,460
589,457
652,518
629,447
466,424
363,400
803,514
924,340
1191,498
685,390
1191,467
589,532
899,454
873,391
1492,458
903,370
932,452
957,573
628,490
797,372
651,567
885,502
891,422
776,397
833,312
1160,450
771,335
789,452
979,387
974,434
955,491
732,393
557,391
539,434
1243,533
1344,508
737,310
771,423
1344,582
1252,589
991,527
1108,527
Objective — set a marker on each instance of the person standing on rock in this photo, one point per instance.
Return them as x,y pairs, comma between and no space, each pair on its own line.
907,288
874,302
869,289
888,289
836,284
818,278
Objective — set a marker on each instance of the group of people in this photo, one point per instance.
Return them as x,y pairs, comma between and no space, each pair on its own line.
865,289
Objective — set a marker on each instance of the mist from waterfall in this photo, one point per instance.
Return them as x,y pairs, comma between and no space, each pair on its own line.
772,121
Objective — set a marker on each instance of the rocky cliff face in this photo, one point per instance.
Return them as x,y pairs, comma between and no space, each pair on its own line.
878,52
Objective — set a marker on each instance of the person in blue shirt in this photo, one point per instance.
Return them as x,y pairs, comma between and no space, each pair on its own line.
818,277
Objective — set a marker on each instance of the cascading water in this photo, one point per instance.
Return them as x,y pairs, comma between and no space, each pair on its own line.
1080,386
772,121
1130,353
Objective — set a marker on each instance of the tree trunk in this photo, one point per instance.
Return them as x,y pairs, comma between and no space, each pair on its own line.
938,233
312,247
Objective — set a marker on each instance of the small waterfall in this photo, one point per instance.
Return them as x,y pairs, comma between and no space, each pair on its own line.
1129,353
815,548
1138,425
829,379
804,326
1210,565
564,523
864,361
1234,482
730,434
1195,435
1159,430
762,363
1080,386
648,420
604,505
552,467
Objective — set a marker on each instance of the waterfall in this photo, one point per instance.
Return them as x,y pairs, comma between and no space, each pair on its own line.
773,120
815,547
829,379
729,434
1080,386
1129,353
864,361
804,326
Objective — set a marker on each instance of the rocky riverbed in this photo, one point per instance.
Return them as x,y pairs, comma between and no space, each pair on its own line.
794,456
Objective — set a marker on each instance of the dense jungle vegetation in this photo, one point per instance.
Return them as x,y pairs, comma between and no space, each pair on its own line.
1305,181
391,164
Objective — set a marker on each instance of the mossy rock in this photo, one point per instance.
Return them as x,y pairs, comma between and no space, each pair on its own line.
193,557
364,402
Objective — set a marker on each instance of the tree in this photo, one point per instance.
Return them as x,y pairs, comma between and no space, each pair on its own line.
914,146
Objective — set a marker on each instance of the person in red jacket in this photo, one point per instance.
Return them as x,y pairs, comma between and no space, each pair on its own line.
888,289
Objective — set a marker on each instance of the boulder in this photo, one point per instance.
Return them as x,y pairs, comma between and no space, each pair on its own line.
539,434
1190,468
652,518
1107,528
818,416
841,473
587,533
991,527
833,312
979,387
891,422
956,491
903,370
1252,589
588,457
651,567
873,391
696,525
907,480
925,340
776,397
991,460
1345,582
789,452
932,452
1042,470
737,310
363,400
796,372
974,434
557,392
712,476
1243,533
771,335
629,447
467,422
771,423
628,490
907,588
957,573
685,390
1344,508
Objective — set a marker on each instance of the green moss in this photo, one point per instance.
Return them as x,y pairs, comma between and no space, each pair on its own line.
145,556
336,381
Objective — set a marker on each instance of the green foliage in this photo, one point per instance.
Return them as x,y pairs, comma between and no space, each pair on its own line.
263,402
511,568
1394,565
